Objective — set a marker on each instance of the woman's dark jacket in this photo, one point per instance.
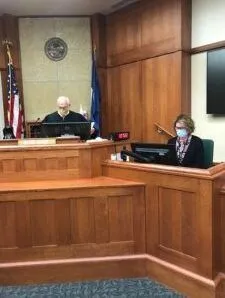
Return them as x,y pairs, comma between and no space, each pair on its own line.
194,156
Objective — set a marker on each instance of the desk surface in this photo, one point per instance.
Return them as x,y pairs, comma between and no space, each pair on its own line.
97,182
209,173
56,143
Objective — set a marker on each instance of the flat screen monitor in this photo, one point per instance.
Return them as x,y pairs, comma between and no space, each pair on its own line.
155,153
66,129
216,82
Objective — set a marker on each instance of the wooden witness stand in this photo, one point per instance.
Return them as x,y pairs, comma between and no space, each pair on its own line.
67,213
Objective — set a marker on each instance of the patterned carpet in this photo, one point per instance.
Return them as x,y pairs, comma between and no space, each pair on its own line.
120,288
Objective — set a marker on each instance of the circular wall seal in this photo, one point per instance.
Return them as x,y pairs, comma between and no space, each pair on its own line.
55,49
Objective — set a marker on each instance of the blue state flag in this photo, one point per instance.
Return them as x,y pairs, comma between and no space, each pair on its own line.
95,98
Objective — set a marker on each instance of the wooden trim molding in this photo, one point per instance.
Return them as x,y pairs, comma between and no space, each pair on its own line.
63,270
143,265
208,47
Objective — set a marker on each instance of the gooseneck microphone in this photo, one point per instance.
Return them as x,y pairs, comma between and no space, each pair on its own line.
136,156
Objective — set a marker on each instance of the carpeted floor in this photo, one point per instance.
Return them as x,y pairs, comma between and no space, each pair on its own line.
120,288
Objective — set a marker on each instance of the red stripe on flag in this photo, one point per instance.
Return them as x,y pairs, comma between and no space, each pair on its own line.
15,112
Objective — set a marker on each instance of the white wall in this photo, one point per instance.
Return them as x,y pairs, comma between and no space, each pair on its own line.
208,26
44,80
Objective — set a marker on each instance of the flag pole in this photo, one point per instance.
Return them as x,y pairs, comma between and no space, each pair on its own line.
8,43
94,51
95,95
9,54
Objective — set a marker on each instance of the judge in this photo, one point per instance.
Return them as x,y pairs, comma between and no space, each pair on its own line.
64,114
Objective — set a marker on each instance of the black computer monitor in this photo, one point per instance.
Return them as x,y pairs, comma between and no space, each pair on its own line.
64,129
154,153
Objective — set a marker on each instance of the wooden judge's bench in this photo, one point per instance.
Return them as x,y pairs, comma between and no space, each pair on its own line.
68,213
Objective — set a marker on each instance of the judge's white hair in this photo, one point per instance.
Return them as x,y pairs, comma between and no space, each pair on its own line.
63,100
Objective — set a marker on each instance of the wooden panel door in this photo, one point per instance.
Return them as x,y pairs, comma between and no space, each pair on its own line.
165,82
124,108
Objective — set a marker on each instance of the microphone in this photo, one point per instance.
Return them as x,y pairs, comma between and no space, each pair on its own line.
35,129
136,156
38,119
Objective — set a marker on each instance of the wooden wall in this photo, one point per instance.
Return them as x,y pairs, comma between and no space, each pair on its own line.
147,66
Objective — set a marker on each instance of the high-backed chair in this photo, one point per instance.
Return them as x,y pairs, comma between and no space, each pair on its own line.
208,152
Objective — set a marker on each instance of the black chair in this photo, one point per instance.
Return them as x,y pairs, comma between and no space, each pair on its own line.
8,132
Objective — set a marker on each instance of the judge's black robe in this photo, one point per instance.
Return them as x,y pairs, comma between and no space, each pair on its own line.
71,117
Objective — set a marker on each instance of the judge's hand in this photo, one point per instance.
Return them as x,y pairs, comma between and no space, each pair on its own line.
92,130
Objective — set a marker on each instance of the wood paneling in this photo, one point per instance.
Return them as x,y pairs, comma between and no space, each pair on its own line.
102,75
185,7
7,215
219,223
73,269
124,100
42,222
163,95
60,161
179,212
123,32
135,35
143,93
177,220
147,29
38,162
120,219
45,224
2,47
185,282
169,215
221,236
98,34
11,33
189,284
160,21
82,216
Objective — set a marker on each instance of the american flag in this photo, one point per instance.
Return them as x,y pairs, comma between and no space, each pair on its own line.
14,109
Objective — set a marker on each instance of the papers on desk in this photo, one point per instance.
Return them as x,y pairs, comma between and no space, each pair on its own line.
98,139
30,142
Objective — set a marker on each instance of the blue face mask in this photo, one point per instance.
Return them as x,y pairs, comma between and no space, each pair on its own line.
182,133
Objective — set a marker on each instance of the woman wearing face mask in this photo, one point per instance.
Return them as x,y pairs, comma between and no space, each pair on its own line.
189,148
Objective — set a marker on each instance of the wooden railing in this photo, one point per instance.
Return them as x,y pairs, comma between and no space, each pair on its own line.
162,130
